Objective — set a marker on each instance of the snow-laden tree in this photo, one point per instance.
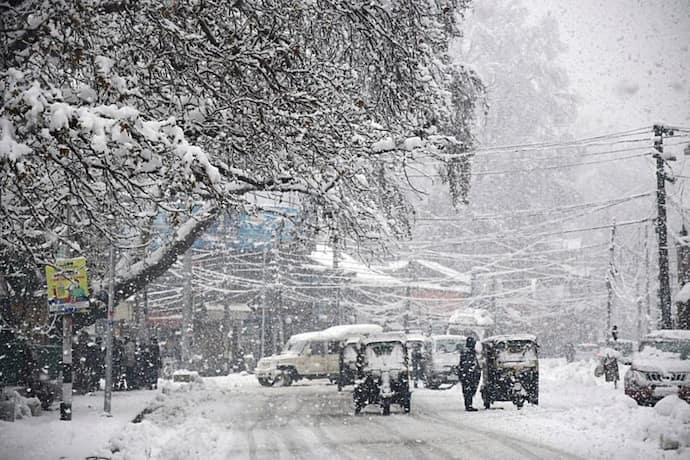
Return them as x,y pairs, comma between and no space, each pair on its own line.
115,112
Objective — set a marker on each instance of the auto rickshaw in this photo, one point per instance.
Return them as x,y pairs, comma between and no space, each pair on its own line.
510,369
383,378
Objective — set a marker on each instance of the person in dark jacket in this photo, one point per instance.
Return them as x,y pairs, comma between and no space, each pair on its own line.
469,373
118,364
155,361
80,364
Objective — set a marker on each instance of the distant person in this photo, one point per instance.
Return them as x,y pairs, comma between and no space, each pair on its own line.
130,361
80,363
118,369
469,373
609,362
569,352
417,368
157,364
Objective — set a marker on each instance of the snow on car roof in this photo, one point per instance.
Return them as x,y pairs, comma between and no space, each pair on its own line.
416,338
386,337
471,317
345,331
306,336
448,336
506,337
673,334
341,332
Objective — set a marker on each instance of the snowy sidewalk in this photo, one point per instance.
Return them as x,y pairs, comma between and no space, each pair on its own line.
46,437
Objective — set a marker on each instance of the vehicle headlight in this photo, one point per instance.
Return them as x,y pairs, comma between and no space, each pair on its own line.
265,364
639,377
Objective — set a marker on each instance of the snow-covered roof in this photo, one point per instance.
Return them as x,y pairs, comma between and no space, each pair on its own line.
323,255
237,307
452,275
673,334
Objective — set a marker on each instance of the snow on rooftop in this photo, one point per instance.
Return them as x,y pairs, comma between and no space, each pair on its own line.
674,334
323,255
446,271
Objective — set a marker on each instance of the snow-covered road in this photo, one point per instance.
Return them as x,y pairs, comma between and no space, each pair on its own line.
233,417
315,421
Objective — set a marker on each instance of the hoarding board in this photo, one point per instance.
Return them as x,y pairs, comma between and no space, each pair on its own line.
68,289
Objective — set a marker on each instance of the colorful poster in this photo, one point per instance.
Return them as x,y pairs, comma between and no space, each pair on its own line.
68,289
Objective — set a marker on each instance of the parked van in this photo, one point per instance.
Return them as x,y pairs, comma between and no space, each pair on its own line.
442,356
310,355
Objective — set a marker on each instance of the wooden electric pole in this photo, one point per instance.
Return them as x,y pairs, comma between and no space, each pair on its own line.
661,230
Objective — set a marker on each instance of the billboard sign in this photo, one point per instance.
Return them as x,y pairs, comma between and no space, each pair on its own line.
68,289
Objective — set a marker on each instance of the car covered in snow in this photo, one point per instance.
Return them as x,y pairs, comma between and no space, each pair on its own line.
660,368
310,355
442,356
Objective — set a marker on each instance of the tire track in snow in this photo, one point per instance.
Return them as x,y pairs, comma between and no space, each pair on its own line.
523,446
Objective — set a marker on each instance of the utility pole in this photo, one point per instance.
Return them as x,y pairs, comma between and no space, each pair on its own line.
683,251
408,301
338,278
263,305
610,275
647,287
661,230
187,324
67,367
108,395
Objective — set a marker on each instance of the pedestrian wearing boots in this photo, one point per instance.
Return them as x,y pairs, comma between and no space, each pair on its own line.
469,373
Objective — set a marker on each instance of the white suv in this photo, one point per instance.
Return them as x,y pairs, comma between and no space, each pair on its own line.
310,355
660,368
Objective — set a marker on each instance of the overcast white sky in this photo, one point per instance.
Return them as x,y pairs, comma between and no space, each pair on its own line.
629,60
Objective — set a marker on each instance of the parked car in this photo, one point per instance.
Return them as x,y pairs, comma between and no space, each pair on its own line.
442,356
384,376
310,355
32,369
660,368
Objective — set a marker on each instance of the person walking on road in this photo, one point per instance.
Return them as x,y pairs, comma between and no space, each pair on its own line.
130,358
469,373
609,363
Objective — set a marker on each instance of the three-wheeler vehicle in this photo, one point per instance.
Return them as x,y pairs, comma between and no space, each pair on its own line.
383,377
510,369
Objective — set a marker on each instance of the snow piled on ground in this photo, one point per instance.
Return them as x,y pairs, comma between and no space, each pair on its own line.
46,437
578,414
585,415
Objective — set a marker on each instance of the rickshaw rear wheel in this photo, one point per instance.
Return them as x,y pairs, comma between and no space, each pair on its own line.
358,407
485,399
407,403
386,406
